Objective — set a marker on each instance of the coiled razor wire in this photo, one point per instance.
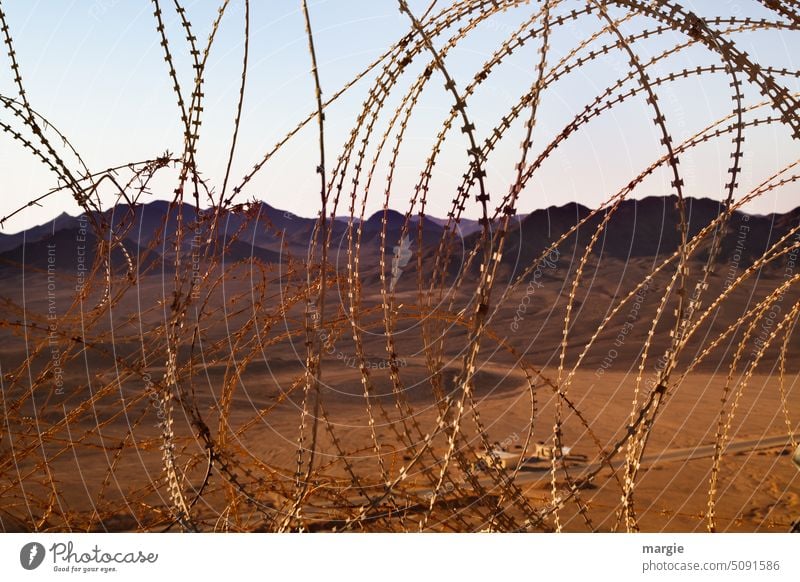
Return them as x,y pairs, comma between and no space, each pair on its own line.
416,469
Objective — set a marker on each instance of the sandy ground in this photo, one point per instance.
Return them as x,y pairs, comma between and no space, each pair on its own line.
92,459
759,490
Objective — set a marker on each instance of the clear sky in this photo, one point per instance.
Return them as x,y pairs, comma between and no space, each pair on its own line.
96,70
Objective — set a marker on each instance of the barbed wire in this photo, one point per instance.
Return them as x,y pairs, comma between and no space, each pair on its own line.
173,422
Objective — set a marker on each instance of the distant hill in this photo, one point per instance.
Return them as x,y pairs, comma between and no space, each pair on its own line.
638,229
70,250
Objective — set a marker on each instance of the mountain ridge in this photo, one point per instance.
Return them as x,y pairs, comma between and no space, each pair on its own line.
639,228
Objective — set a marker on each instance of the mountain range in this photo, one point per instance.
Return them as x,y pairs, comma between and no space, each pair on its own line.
645,228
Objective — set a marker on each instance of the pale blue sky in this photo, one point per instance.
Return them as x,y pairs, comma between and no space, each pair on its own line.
96,70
